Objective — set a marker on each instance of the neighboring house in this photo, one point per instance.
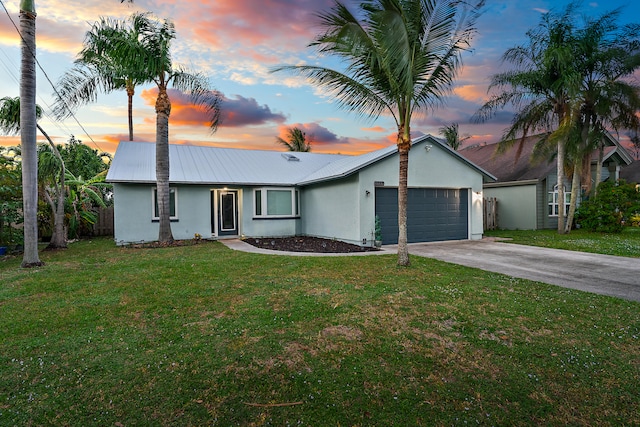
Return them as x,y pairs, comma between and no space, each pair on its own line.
527,191
631,173
222,192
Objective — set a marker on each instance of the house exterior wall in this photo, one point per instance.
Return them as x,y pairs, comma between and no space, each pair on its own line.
332,210
133,212
517,207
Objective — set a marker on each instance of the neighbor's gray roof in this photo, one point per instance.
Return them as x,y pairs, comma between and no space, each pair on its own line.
135,162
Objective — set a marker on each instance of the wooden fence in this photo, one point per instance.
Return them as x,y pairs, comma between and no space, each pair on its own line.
104,224
490,217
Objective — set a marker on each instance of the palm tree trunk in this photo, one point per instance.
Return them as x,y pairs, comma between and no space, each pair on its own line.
59,236
575,189
28,133
404,144
163,110
560,171
130,93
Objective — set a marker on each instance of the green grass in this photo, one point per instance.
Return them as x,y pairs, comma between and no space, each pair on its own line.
625,244
203,335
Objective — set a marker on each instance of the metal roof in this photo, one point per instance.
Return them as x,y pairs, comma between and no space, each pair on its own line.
189,164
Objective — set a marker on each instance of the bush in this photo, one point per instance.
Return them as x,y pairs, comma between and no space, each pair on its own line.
615,206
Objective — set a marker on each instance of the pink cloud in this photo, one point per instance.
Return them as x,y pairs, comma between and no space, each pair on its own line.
235,112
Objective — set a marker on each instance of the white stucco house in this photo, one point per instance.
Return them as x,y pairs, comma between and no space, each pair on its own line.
224,192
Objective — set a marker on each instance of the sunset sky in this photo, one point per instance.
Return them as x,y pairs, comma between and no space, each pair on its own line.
235,43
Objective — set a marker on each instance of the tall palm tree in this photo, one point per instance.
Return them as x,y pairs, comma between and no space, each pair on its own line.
152,54
296,140
30,256
609,97
100,68
452,135
540,85
402,57
55,169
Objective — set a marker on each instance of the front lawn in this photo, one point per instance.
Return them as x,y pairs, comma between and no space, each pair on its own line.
626,243
202,335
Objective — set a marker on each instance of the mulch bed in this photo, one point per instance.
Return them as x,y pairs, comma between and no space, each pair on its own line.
306,244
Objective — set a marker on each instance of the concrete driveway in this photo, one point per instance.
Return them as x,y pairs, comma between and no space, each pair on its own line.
600,274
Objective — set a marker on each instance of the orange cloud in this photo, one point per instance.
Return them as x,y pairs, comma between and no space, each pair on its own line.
375,129
472,93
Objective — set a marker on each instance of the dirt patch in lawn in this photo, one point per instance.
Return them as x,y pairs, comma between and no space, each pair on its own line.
306,244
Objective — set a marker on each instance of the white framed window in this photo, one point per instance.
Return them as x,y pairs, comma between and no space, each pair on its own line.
275,202
553,201
173,203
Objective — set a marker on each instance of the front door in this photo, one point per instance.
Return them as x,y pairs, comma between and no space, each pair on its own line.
227,213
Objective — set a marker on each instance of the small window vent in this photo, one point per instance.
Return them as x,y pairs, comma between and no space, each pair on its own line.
290,157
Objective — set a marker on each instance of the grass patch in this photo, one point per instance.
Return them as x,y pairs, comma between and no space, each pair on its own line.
203,335
625,244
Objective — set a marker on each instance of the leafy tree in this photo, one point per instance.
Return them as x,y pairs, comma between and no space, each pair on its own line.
614,206
539,85
401,58
452,136
54,173
10,196
152,54
296,140
84,195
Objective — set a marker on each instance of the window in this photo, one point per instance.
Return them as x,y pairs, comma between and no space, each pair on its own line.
553,201
173,206
276,202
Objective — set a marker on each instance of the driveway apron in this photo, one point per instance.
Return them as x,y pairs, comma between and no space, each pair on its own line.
600,274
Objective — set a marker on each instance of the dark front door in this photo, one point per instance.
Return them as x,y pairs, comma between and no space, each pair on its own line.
227,213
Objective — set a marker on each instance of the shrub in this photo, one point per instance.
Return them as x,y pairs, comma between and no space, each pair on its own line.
614,207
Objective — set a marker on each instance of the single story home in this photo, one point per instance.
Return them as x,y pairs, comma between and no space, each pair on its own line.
527,190
225,192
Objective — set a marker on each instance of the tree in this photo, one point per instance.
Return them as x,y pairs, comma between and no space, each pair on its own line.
101,68
452,135
609,97
53,174
10,196
30,257
401,58
28,133
296,140
152,54
540,86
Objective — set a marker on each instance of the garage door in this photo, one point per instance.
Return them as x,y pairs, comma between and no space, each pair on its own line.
433,214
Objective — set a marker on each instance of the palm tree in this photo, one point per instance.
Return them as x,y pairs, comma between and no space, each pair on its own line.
10,124
155,59
296,140
402,56
149,53
609,97
100,68
28,133
452,135
540,84
30,256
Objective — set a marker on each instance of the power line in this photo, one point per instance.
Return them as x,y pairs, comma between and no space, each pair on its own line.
47,77
11,69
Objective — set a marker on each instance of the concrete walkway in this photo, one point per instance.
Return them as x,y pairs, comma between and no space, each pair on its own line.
600,274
